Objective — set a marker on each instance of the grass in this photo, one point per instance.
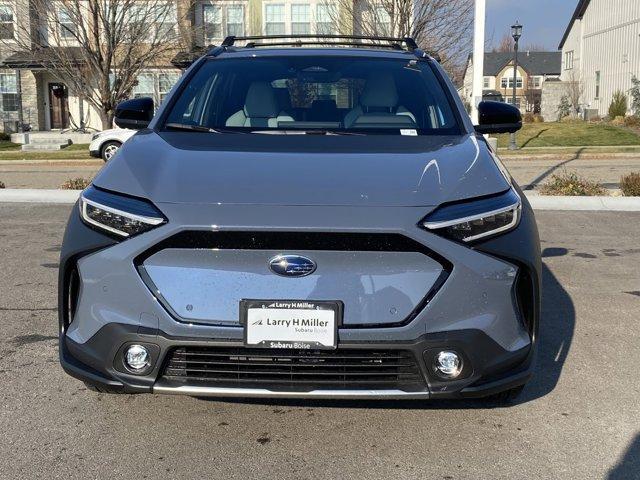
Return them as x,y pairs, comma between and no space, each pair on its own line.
77,151
571,134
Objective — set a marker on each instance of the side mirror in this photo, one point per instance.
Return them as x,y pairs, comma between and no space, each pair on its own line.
498,117
134,114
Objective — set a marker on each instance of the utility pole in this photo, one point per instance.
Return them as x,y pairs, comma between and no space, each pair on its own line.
478,57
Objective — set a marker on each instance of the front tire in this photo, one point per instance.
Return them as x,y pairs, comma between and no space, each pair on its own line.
109,149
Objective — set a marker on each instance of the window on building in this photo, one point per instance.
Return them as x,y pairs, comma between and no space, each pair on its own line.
300,19
7,25
155,85
166,20
537,82
9,92
166,81
67,25
597,85
382,21
324,19
486,83
212,19
507,82
145,86
568,60
235,20
274,19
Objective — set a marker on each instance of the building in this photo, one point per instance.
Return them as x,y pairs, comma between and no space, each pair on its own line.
534,69
601,49
33,94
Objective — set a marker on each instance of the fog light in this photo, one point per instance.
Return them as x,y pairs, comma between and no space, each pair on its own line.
448,364
137,358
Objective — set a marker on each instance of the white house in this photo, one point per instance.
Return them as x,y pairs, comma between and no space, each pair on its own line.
601,49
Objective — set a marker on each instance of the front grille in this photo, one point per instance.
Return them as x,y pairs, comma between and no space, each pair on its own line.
295,369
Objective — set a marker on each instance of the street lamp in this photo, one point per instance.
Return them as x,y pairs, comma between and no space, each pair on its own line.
516,33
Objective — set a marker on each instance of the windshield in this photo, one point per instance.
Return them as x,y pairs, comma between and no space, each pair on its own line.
314,95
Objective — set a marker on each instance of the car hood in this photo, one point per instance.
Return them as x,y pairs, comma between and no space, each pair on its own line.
185,167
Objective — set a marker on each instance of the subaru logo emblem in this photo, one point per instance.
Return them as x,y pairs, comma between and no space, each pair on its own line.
292,265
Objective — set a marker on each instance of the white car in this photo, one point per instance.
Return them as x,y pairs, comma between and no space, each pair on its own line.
105,144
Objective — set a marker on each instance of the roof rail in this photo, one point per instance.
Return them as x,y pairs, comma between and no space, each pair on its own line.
253,41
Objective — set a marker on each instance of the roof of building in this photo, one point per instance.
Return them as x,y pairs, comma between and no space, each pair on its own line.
535,63
577,15
44,57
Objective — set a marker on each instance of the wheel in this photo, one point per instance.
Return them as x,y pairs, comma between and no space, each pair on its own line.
504,398
109,149
97,389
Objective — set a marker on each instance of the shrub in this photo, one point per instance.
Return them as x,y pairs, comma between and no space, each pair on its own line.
618,121
635,95
537,118
570,184
595,119
564,109
2,185
76,184
5,137
632,121
630,185
618,107
529,117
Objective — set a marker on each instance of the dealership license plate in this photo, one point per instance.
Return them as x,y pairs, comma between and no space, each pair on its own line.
297,324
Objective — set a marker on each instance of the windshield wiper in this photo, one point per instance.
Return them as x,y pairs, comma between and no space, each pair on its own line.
332,132
196,128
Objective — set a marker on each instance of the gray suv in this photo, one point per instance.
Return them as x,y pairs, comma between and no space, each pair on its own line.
304,217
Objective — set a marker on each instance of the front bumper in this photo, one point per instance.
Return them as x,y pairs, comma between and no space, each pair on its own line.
488,367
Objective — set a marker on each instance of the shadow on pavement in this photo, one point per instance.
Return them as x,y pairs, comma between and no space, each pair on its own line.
629,466
536,181
557,325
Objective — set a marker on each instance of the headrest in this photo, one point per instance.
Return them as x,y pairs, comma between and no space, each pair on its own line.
380,91
261,101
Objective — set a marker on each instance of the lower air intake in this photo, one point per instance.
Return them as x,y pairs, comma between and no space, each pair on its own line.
295,369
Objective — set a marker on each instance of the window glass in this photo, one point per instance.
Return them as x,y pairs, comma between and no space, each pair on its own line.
212,22
9,92
363,95
145,86
274,19
300,19
235,20
382,21
67,26
7,27
324,19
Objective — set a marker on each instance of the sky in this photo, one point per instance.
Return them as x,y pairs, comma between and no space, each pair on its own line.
544,21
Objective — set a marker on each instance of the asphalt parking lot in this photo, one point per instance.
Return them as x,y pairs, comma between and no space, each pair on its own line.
580,418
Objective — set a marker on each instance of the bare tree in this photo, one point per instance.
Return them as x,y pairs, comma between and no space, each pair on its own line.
443,27
574,88
98,47
506,44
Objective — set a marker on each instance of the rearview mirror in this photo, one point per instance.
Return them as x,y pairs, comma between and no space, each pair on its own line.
134,114
498,117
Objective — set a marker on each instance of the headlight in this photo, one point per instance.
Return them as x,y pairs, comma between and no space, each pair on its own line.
472,220
118,214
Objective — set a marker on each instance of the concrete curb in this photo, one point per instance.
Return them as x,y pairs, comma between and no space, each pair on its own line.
28,195
62,161
538,202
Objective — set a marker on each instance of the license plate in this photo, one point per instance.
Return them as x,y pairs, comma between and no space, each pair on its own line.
297,324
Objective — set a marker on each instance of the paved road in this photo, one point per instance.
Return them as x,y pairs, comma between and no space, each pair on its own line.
579,419
527,171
